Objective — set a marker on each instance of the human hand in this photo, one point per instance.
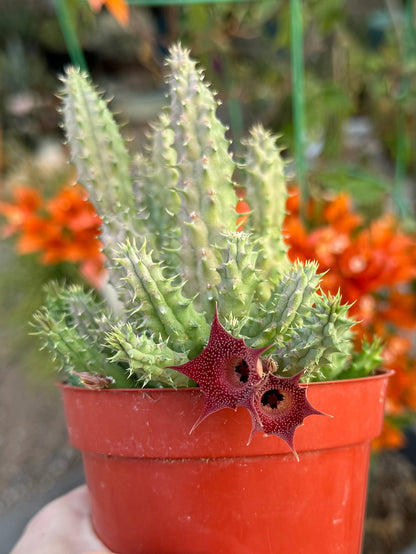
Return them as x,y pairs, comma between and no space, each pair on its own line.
62,527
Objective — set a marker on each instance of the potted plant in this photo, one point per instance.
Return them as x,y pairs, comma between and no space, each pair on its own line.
199,316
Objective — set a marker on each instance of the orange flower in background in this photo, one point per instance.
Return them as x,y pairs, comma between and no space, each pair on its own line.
64,229
373,267
390,437
359,261
400,309
338,213
380,256
118,9
70,207
242,208
36,232
27,202
402,390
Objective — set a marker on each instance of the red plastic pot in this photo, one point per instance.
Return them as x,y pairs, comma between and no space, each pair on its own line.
156,489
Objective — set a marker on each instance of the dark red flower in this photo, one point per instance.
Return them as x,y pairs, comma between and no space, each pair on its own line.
226,371
278,406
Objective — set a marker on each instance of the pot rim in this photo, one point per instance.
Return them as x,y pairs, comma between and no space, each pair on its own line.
380,374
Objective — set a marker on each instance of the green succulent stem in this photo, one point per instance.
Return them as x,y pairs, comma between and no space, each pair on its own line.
71,326
146,357
263,177
99,155
175,256
158,300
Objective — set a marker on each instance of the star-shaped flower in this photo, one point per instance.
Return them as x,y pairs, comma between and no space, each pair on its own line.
278,406
226,371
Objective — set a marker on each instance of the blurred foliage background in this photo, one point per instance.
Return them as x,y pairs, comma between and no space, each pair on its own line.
359,68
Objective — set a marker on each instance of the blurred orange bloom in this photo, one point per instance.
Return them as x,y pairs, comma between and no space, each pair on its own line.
391,437
380,256
402,389
340,216
400,309
358,261
118,9
71,208
66,228
373,268
27,202
242,208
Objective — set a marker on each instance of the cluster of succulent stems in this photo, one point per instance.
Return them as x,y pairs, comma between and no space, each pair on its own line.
178,264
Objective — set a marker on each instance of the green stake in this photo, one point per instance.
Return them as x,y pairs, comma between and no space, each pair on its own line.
70,35
298,97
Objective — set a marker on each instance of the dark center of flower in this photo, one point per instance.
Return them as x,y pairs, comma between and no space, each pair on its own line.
237,371
271,398
241,368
